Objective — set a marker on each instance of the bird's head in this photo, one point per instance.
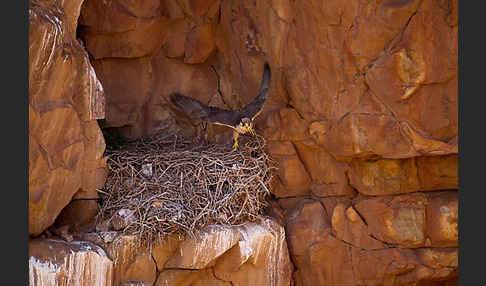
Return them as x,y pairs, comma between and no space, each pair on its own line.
246,126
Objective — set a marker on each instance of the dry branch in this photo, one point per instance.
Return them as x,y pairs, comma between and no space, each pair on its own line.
169,186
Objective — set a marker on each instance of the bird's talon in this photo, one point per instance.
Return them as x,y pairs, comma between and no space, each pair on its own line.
235,145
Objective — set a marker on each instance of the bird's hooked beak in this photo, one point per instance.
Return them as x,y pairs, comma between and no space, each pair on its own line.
250,129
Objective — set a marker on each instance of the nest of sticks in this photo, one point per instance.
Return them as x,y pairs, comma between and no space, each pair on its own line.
167,186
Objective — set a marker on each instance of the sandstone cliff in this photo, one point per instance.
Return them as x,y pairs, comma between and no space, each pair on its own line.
65,99
361,117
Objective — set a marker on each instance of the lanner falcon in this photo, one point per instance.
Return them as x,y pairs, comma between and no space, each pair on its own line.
241,120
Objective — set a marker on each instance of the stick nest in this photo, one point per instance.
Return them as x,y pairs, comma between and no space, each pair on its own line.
167,186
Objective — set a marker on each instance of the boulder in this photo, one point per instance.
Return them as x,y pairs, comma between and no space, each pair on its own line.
252,253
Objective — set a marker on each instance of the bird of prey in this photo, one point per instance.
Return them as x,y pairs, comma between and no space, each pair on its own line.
241,120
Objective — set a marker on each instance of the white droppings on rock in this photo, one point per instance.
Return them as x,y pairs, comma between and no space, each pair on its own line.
42,272
78,263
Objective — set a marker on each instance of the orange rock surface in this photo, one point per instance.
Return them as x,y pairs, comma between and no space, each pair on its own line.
249,254
375,241
361,118
65,100
56,262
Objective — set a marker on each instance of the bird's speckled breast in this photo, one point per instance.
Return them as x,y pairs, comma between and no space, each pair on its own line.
243,129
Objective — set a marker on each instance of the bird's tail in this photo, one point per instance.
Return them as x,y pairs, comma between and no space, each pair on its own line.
264,86
255,106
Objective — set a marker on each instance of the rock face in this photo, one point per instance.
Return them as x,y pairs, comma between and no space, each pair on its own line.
65,99
80,263
352,81
366,244
391,176
361,118
251,254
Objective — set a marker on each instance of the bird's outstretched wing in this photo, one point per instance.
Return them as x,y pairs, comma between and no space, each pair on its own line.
231,118
255,106
195,108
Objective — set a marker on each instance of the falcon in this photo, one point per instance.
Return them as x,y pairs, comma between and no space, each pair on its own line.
240,120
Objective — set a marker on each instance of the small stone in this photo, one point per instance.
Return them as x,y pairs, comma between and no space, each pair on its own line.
147,170
122,219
